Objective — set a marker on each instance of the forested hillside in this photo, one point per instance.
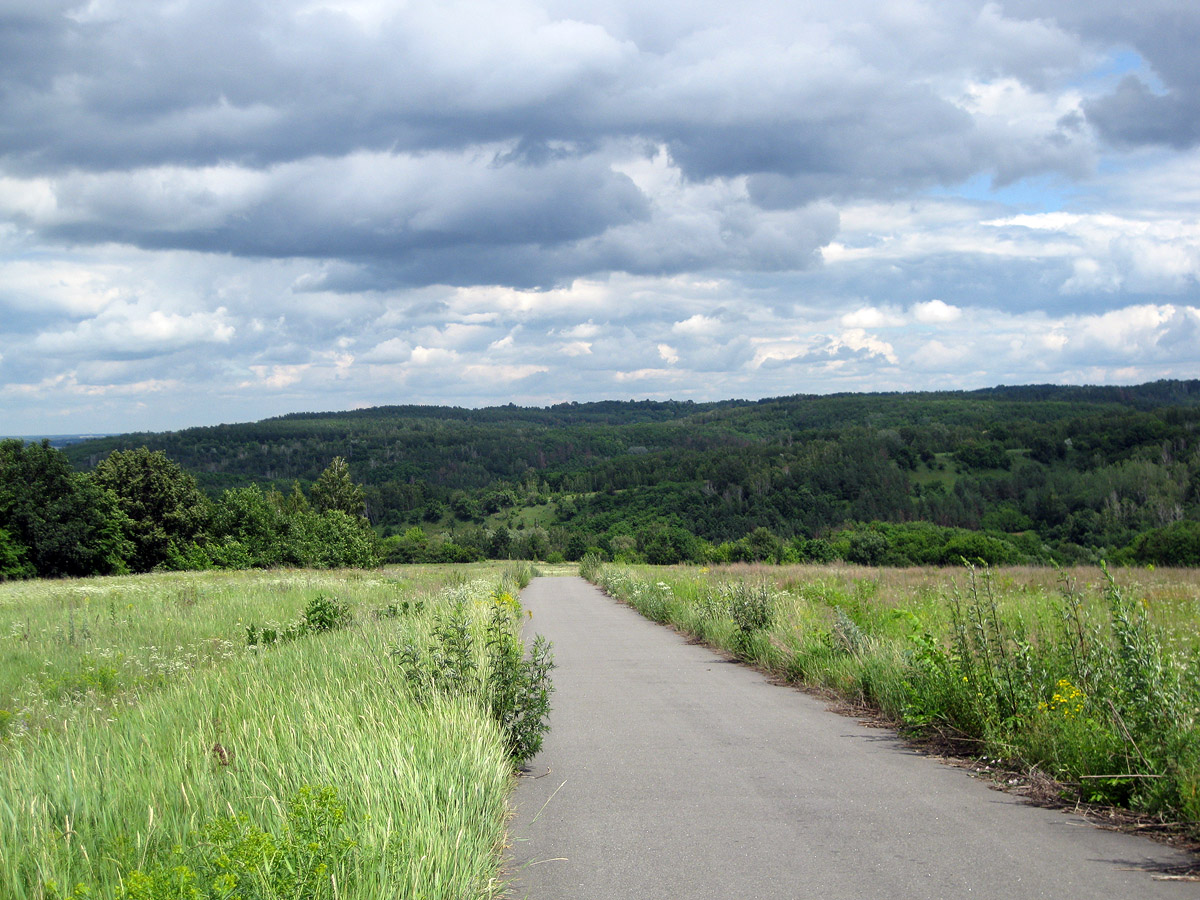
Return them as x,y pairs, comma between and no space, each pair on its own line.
1008,474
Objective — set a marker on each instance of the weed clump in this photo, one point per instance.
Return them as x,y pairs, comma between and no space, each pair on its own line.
323,613
231,858
590,566
308,857
489,669
752,608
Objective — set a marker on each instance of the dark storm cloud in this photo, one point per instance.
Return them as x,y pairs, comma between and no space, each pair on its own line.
202,82
361,207
133,84
890,144
655,246
1133,114
1165,33
356,131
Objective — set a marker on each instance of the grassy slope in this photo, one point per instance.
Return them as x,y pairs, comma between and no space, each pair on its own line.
123,690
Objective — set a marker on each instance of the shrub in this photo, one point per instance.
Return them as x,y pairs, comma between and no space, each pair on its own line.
13,563
1176,545
325,613
518,689
518,575
752,608
310,857
867,548
514,690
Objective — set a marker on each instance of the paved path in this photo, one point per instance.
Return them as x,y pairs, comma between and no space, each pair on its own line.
669,773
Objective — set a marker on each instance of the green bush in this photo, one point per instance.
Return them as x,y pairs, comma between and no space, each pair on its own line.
309,857
514,690
518,689
13,562
517,576
1175,545
752,608
324,613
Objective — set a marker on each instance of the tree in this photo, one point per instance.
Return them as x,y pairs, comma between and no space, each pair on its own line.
1174,545
464,507
296,502
166,509
12,558
262,530
67,524
334,539
576,547
763,545
867,548
501,543
976,547
666,546
335,489
251,530
410,547
532,544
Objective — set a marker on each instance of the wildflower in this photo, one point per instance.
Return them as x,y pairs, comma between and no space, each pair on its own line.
1068,700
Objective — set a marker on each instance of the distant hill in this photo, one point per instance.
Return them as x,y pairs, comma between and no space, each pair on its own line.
1081,467
57,440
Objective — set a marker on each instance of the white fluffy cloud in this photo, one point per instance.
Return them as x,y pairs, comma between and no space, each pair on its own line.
933,312
1111,253
333,203
123,330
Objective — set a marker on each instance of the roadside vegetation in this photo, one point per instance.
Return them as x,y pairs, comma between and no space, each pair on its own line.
1090,678
263,734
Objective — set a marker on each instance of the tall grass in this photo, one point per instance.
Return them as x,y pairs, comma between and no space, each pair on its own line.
264,754
1094,683
67,645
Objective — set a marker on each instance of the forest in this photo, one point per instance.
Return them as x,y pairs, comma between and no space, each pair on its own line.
1028,474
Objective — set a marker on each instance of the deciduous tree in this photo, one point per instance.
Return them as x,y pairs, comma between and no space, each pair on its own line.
166,509
67,524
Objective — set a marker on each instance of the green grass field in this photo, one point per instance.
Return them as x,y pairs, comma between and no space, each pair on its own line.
154,744
149,751
1094,682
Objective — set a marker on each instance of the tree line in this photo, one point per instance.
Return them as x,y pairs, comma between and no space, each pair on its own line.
138,511
1021,474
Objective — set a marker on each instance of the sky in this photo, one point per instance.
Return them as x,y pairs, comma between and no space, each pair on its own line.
222,210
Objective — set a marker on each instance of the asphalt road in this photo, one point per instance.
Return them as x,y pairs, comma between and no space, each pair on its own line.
671,773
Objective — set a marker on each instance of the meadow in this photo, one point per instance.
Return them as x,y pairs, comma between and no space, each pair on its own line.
261,734
1083,680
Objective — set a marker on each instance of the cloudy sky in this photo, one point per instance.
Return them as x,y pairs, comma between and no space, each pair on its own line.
220,210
